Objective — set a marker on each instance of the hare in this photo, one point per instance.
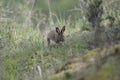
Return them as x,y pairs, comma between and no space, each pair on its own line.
56,36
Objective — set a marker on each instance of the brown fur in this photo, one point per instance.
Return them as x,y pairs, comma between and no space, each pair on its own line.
56,35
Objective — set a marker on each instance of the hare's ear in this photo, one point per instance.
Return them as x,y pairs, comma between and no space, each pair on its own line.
63,29
57,30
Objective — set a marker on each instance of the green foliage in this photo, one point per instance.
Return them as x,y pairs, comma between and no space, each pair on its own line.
26,49
108,71
24,25
98,64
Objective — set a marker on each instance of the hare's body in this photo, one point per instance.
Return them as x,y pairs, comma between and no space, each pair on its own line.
56,36
52,37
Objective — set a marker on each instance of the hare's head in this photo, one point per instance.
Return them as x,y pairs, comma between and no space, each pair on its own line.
60,37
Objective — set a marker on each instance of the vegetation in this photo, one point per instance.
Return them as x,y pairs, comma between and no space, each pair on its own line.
92,40
96,65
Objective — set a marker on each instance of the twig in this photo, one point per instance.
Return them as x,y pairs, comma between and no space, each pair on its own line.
29,15
40,72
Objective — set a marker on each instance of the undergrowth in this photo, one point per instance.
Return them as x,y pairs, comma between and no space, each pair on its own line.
26,48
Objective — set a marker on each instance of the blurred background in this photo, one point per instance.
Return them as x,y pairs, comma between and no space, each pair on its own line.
24,25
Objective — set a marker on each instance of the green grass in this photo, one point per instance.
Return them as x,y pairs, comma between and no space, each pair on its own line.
23,49
27,49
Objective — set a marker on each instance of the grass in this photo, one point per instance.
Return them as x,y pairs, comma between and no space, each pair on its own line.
26,48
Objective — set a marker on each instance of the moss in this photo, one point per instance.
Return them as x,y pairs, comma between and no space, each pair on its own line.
104,67
110,70
91,54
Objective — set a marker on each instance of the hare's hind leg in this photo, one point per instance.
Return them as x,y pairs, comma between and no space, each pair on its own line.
48,40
